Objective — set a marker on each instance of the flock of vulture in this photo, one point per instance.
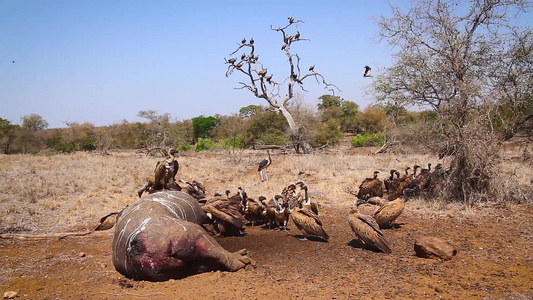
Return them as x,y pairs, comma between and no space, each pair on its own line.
230,213
399,188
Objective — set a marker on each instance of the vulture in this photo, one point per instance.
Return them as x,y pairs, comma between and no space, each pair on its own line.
389,180
281,212
309,223
423,177
232,60
367,72
195,189
312,68
306,203
252,209
436,179
371,186
391,210
367,229
164,175
401,184
269,211
290,193
226,218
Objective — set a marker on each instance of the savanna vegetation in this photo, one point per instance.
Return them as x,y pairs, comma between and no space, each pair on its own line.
460,86
459,93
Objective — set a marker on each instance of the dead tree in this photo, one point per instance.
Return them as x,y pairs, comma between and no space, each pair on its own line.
261,84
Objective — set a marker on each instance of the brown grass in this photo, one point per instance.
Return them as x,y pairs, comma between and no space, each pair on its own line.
71,192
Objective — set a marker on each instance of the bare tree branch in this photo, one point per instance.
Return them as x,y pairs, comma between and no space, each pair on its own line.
261,84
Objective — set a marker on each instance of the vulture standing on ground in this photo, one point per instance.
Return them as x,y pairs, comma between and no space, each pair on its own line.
309,223
372,187
367,229
281,212
401,184
423,177
291,193
307,203
436,179
252,209
389,180
391,210
269,213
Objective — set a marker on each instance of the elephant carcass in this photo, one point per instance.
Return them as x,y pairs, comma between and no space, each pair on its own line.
160,237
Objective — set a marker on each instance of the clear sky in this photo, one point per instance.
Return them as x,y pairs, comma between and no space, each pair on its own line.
102,61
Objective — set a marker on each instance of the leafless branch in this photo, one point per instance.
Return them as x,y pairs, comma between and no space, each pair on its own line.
260,82
60,235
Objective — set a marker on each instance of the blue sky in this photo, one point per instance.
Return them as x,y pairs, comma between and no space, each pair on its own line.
104,61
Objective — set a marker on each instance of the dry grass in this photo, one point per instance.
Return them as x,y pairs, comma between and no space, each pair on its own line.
70,192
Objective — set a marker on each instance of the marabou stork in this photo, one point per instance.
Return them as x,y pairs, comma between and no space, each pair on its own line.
263,165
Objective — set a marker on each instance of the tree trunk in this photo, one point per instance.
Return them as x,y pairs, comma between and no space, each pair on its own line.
298,133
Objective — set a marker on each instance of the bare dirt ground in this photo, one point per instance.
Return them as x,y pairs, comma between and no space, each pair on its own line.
494,260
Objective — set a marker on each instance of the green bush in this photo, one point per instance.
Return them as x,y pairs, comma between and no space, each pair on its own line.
65,147
184,147
272,137
88,145
204,144
368,140
232,143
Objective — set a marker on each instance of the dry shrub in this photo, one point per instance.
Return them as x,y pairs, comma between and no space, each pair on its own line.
72,192
474,152
412,137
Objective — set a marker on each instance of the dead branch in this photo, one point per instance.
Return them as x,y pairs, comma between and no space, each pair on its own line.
36,237
260,83
385,146
269,147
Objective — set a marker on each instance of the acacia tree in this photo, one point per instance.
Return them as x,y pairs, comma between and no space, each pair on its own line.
260,82
34,122
157,131
469,68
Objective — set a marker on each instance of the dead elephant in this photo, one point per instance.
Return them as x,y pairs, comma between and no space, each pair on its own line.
160,237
